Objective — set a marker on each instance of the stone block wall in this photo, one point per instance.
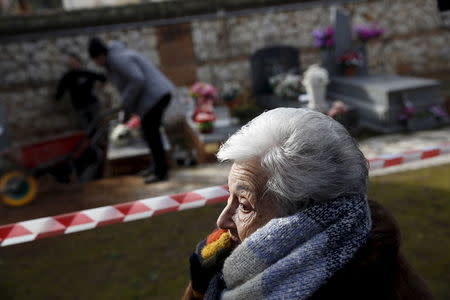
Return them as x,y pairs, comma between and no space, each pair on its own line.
31,69
223,45
413,43
215,48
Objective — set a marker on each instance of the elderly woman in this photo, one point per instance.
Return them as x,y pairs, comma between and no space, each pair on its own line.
297,224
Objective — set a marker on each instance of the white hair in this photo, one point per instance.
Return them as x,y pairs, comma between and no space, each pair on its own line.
306,155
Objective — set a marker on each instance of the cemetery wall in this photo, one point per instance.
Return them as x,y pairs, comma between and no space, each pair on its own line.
211,47
413,43
30,70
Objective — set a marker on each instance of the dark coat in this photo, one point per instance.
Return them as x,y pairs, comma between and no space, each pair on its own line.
139,82
377,271
80,84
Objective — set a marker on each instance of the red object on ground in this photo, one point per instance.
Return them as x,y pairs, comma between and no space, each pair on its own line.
47,151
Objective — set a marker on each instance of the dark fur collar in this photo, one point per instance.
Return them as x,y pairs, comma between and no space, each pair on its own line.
378,270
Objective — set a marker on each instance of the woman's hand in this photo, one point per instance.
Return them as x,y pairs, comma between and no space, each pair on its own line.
208,260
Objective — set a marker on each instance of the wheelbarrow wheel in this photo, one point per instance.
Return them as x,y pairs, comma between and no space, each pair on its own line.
17,188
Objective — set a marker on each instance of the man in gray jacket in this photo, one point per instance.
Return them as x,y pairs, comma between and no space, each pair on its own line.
145,92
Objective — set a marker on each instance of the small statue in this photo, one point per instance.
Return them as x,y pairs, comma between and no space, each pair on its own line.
315,80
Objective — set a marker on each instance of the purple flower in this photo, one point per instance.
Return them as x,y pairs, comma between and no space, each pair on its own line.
437,111
324,38
408,111
409,108
318,43
367,32
318,34
329,31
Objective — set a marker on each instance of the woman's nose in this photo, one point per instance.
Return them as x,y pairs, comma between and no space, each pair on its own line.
225,220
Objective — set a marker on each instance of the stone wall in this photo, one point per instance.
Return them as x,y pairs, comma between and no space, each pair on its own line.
414,41
213,48
31,69
144,12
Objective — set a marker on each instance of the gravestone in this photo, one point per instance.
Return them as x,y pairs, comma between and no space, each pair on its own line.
342,32
266,63
271,61
380,98
343,42
4,141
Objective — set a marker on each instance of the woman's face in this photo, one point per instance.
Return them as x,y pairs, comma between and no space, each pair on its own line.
246,211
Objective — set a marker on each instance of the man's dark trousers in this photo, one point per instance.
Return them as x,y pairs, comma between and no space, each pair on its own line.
150,124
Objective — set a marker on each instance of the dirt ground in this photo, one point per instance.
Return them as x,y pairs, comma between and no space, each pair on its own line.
56,198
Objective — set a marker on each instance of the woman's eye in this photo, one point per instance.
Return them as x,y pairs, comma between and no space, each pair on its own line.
244,207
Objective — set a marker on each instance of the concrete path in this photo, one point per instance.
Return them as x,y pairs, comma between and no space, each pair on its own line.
371,147
402,142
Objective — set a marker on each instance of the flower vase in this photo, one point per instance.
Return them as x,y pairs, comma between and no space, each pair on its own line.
205,121
206,127
350,71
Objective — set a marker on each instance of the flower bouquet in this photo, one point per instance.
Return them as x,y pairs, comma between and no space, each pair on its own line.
204,95
439,112
415,119
408,110
286,85
205,121
203,91
367,32
125,134
230,92
349,61
324,40
324,37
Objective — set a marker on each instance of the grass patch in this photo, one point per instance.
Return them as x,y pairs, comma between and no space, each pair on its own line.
139,260
148,259
420,201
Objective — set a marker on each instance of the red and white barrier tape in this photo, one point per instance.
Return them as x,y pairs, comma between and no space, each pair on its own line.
27,231
390,160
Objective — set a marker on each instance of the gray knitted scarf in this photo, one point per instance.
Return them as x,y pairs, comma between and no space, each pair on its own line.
291,257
